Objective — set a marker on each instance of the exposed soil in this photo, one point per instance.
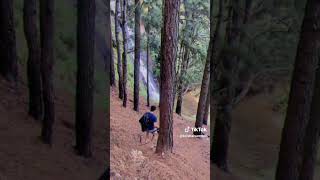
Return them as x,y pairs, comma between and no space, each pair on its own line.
24,157
130,159
254,140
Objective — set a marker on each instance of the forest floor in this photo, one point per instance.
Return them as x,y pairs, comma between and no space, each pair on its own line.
27,158
131,160
254,140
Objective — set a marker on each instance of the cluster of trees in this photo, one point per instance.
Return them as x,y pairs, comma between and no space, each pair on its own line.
234,58
192,42
40,64
179,54
300,136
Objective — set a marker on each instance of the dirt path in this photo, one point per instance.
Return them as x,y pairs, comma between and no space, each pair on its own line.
129,160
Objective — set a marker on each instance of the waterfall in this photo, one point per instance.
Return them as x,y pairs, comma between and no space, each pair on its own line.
153,84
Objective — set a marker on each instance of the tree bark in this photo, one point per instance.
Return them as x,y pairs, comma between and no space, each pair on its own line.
148,59
214,32
247,9
31,31
119,63
225,82
206,110
185,43
8,53
137,38
47,62
298,111
203,93
168,54
124,54
109,54
311,139
85,76
181,83
212,52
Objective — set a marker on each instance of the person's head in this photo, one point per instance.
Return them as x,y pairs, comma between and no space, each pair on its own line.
153,108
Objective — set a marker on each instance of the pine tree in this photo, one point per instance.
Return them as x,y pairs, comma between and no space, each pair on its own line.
300,97
226,89
85,76
119,62
109,58
169,39
137,39
31,31
8,53
124,54
47,62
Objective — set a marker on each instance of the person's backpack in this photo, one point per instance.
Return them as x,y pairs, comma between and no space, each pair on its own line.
144,122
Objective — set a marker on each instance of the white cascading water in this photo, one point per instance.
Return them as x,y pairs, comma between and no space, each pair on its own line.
153,84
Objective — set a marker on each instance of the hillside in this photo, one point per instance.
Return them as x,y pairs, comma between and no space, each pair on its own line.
28,158
129,159
255,138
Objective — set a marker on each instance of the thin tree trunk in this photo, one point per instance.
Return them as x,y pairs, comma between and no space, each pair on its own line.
119,63
31,31
8,53
185,43
226,83
137,38
47,62
85,76
247,9
205,84
148,59
181,83
169,39
203,93
109,54
206,110
298,111
124,54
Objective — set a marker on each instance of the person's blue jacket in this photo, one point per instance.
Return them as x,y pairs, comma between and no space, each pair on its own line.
152,119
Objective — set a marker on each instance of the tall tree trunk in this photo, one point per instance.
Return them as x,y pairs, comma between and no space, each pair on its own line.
185,43
8,53
226,90
148,59
203,93
206,110
85,76
109,59
311,139
204,87
212,53
30,22
169,39
47,62
298,111
181,83
247,9
137,38
124,54
119,63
